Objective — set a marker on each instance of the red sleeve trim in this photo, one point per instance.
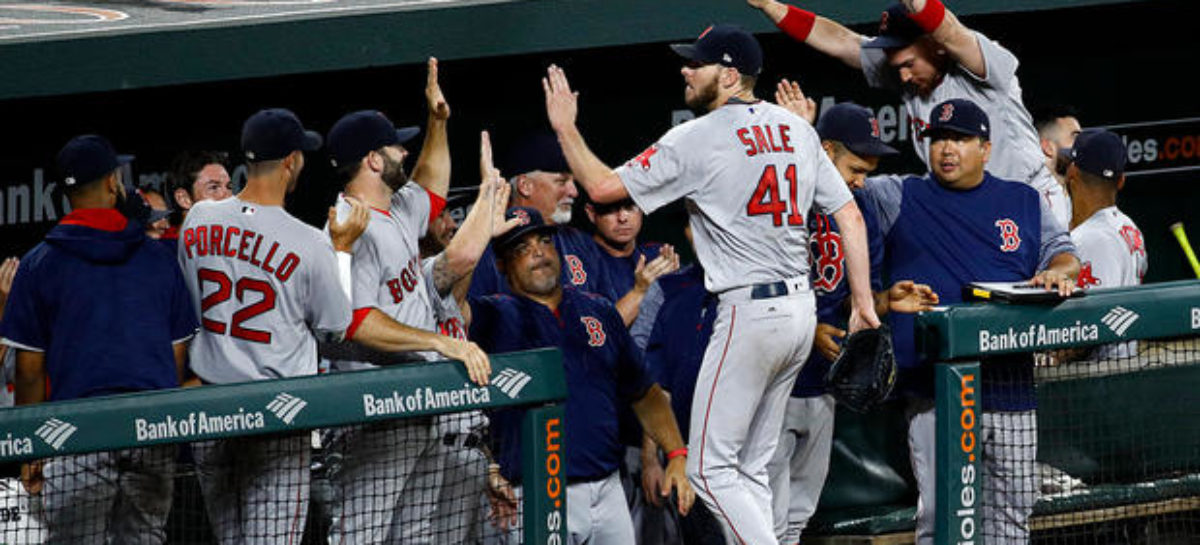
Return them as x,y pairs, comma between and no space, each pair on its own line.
798,23
931,16
360,314
437,203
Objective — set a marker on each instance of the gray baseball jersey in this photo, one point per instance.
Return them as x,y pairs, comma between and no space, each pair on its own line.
264,283
388,274
449,316
749,172
1016,152
1112,254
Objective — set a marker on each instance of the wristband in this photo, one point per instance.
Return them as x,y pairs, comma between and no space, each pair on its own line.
930,17
676,453
798,23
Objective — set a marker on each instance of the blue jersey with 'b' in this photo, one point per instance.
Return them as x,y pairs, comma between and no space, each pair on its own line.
998,231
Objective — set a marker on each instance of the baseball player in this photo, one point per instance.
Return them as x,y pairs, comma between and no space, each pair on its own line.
75,339
392,306
850,137
1057,128
541,180
1110,245
603,370
194,176
749,171
971,226
265,285
927,54
630,267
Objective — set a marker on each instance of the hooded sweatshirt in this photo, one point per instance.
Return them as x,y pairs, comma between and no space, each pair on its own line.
103,304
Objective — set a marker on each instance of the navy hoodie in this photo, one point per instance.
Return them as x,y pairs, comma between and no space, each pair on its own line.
103,305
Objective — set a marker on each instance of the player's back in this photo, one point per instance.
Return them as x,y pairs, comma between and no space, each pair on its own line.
1111,250
264,284
760,170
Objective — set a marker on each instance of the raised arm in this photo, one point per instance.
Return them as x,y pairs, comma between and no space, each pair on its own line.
961,44
432,170
820,33
485,221
601,182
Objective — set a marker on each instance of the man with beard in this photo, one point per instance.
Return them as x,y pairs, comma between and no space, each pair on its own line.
927,54
603,369
392,306
749,172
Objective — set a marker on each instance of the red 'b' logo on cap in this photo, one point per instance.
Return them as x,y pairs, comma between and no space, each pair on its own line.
874,127
883,22
521,215
947,113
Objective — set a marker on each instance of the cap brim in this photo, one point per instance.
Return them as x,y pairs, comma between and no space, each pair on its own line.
312,141
156,215
124,159
687,51
950,128
519,233
872,149
404,134
886,42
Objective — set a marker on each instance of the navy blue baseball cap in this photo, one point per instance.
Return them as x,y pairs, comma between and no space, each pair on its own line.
534,151
726,45
896,29
958,115
855,127
1098,152
274,133
531,222
359,133
87,158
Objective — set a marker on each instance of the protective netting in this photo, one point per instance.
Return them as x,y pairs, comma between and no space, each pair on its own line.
407,481
1110,455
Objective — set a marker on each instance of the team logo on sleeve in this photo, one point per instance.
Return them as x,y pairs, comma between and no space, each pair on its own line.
947,113
595,331
1133,239
643,158
575,267
1009,234
1086,277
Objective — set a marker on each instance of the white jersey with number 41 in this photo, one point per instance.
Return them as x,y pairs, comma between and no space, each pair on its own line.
749,173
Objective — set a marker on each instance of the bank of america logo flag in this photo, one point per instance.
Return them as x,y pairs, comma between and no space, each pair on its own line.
511,382
286,406
1119,319
55,432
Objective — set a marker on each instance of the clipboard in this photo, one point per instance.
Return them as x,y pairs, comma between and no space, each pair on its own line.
1022,293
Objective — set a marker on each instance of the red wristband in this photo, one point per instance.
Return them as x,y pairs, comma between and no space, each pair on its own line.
676,453
798,23
931,16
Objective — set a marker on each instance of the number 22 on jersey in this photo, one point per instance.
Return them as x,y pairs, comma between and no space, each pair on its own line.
227,288
765,199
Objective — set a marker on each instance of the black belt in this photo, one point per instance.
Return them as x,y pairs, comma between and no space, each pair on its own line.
469,440
768,290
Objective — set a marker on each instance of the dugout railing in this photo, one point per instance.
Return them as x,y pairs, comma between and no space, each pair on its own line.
1117,386
530,380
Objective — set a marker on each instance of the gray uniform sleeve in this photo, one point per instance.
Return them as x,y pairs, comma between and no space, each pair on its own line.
647,313
327,309
883,195
830,191
367,274
1055,238
1000,63
876,69
411,205
656,176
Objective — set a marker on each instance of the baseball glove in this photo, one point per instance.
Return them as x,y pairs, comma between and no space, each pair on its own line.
865,372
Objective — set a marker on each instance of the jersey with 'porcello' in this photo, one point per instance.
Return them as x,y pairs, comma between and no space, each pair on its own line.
266,285
749,173
603,370
998,231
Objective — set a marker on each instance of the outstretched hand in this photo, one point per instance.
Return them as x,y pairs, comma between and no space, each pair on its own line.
493,189
789,95
438,108
645,273
562,104
343,231
909,297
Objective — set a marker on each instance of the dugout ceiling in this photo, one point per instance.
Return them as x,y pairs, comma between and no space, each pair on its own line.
68,47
